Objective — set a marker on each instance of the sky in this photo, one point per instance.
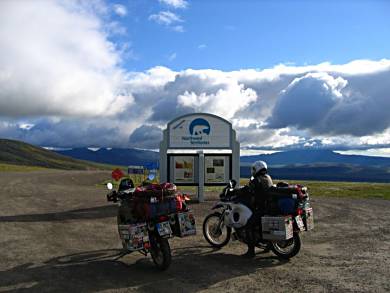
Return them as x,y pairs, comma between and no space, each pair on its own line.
287,74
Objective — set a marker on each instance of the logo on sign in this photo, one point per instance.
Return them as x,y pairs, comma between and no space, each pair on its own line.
199,126
199,130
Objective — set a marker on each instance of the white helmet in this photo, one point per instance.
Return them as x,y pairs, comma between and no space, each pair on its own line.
258,166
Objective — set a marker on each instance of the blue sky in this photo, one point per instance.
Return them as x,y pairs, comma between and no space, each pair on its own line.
229,35
287,74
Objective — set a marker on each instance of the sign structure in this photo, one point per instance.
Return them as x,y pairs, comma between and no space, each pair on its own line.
184,169
199,132
199,150
215,167
135,170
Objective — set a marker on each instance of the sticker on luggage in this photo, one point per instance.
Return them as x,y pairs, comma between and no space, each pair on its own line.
186,224
164,229
135,235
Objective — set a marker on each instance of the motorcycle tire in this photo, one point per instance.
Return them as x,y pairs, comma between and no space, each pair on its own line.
264,245
161,252
208,236
278,246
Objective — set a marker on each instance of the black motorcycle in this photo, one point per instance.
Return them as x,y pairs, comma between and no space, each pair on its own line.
277,231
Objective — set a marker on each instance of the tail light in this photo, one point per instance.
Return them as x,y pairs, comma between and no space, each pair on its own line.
299,211
146,245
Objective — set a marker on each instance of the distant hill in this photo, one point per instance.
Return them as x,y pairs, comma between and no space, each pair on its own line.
20,153
321,165
114,156
327,172
297,164
305,157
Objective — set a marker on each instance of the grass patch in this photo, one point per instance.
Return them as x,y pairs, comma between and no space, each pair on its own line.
316,188
346,189
333,189
19,168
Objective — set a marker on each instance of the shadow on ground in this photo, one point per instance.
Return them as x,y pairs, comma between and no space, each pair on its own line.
77,214
192,268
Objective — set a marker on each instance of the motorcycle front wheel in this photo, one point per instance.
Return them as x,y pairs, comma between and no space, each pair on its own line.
215,232
161,252
287,249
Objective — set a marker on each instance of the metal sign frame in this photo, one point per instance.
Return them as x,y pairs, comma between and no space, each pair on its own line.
200,152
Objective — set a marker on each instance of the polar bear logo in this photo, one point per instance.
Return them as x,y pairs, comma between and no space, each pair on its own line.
199,126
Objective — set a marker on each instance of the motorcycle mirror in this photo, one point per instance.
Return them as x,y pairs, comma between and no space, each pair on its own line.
151,177
109,186
232,183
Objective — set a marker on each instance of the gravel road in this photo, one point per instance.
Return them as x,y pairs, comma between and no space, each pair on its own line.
57,233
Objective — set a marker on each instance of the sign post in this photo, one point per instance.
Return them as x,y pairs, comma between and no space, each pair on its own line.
199,150
201,177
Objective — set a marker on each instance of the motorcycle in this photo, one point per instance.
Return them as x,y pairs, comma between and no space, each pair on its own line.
150,234
279,233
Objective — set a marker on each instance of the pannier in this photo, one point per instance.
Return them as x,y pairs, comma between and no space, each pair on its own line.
134,236
154,200
184,224
308,218
277,228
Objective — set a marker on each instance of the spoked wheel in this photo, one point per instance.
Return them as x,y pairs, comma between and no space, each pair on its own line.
161,252
286,249
215,231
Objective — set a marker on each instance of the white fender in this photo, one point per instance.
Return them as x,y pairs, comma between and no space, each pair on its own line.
238,216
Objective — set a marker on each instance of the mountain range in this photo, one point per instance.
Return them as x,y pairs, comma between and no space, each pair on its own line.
294,164
114,156
311,156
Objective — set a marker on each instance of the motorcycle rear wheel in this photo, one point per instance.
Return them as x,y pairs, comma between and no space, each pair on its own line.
214,234
287,249
161,252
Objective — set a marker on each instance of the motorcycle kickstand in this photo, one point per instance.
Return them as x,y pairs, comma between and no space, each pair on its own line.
122,254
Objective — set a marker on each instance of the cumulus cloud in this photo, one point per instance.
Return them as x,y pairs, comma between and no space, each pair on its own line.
307,101
335,103
56,59
321,106
66,132
62,85
146,137
209,91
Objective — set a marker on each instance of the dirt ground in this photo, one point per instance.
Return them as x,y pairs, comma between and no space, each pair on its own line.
58,233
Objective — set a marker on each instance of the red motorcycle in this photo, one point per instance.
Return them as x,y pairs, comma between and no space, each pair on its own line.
148,216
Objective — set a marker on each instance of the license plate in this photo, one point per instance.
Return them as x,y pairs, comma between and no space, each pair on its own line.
164,229
298,220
